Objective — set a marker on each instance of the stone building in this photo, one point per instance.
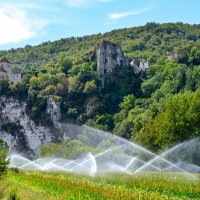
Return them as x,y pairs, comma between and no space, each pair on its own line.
109,55
8,72
140,65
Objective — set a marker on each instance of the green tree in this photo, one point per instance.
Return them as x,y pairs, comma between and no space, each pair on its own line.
195,53
4,86
3,153
64,63
179,121
90,87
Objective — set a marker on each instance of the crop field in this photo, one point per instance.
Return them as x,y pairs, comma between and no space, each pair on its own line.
44,185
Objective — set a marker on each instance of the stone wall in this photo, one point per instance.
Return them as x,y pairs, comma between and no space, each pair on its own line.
140,65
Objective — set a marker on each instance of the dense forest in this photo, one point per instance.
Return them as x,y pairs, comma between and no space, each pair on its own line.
156,107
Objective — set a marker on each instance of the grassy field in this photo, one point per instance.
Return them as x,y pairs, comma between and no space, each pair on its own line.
151,186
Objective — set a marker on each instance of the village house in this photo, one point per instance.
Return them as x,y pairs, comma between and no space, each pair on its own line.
8,72
140,65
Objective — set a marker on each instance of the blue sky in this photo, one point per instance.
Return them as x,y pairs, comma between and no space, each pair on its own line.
32,22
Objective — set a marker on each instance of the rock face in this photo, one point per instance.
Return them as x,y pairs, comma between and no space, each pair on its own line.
53,110
7,72
109,56
18,130
92,105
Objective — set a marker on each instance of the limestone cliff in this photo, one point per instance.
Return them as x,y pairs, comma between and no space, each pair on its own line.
18,130
109,55
53,110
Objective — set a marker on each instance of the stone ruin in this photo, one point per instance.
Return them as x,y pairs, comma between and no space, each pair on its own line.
109,55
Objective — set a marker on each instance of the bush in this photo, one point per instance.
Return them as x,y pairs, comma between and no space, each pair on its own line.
3,161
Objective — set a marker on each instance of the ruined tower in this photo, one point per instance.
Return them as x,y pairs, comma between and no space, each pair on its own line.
109,55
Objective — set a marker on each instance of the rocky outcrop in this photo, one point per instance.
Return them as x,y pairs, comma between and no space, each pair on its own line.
8,72
92,105
18,130
54,111
109,55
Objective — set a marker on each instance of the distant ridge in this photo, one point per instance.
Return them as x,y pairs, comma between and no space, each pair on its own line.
131,39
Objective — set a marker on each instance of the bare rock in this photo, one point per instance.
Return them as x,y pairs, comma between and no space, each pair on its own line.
109,55
18,130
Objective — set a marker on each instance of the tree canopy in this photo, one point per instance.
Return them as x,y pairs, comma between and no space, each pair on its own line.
156,107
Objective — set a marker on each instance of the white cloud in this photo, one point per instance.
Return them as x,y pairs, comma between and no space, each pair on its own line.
119,15
16,24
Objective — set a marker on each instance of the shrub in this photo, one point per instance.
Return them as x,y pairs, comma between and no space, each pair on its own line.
3,161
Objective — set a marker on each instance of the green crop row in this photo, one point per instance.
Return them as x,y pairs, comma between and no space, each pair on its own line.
34,185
